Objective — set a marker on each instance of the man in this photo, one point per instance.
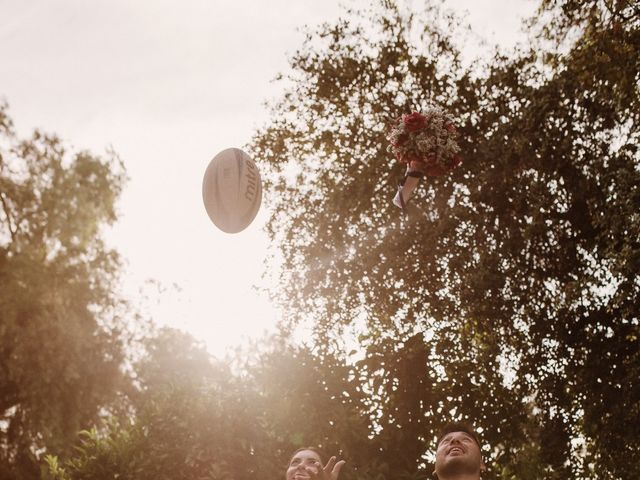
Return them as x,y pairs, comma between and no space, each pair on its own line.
458,454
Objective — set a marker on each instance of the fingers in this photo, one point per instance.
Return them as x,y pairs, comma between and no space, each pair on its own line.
336,469
329,466
416,166
329,472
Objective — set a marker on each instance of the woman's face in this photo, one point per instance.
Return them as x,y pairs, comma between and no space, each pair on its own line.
300,462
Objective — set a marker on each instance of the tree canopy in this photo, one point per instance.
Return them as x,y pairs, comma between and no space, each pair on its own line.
60,327
507,298
514,291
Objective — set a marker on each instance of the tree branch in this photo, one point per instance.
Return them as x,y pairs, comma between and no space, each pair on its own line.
7,213
634,7
618,13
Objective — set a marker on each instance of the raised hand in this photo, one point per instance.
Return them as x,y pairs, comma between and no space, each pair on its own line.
330,471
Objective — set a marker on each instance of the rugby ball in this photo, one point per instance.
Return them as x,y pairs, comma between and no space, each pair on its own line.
232,190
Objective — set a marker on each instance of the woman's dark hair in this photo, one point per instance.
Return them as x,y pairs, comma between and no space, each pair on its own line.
313,449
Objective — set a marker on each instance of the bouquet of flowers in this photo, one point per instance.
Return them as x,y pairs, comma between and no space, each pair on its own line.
427,144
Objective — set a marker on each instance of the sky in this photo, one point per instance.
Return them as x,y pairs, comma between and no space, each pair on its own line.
168,84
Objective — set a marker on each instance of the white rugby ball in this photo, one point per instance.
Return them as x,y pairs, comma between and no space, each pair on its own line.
232,190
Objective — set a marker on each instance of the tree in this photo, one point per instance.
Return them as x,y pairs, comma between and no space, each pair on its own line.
190,420
196,418
61,334
303,399
515,290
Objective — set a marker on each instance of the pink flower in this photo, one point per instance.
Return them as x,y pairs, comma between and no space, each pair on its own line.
414,121
402,138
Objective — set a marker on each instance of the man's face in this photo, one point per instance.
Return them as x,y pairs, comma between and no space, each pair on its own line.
458,453
298,465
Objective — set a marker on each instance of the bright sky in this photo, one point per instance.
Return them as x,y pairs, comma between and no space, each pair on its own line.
168,84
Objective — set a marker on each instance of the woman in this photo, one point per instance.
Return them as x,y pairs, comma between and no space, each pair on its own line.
306,464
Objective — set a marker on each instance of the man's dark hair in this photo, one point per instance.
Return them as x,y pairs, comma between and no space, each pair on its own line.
312,449
458,427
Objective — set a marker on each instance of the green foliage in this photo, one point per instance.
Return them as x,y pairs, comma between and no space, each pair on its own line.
183,434
303,399
61,350
511,297
190,422
199,420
